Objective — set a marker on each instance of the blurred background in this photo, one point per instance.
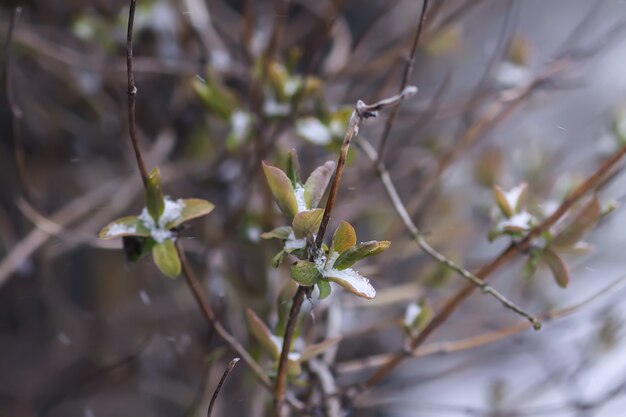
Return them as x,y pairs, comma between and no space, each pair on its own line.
510,91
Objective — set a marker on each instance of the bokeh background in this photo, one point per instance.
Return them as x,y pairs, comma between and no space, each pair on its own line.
84,333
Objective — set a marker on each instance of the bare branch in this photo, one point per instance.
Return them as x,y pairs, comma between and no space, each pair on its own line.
229,368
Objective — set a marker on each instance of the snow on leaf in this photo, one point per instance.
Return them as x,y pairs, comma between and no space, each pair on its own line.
352,281
125,226
191,208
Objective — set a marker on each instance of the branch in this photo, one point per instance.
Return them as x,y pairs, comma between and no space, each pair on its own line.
408,70
362,111
132,95
229,368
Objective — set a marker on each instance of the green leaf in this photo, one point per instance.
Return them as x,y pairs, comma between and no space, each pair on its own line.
306,223
154,197
193,208
360,251
263,334
502,202
584,220
282,232
282,189
166,258
317,182
343,239
352,281
293,168
315,349
293,365
557,265
305,273
324,287
278,258
126,226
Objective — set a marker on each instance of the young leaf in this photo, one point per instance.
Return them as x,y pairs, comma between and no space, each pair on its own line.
307,222
360,251
305,273
344,238
293,168
324,287
313,350
557,266
262,334
282,189
352,281
502,202
317,182
193,208
278,258
154,197
583,221
166,258
282,232
126,226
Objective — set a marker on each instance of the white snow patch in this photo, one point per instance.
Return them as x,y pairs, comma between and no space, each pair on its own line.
120,229
291,86
410,314
299,192
520,220
239,124
171,212
314,131
273,108
355,282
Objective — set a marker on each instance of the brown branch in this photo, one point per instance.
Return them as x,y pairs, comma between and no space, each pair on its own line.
229,368
132,96
514,248
362,111
408,70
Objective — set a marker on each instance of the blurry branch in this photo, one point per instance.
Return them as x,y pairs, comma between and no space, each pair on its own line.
425,246
229,368
514,248
408,71
482,339
361,112
332,405
14,109
132,95
507,102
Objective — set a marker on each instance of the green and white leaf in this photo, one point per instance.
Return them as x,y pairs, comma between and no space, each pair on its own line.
125,226
352,281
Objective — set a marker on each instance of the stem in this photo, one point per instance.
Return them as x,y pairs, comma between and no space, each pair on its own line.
229,368
408,70
209,315
132,95
362,111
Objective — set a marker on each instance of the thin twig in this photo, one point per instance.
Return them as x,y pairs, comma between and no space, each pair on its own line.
132,95
14,108
514,248
408,70
362,111
429,250
229,368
